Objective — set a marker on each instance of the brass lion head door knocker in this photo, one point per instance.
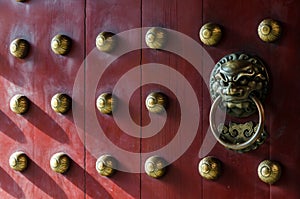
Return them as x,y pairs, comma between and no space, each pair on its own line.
238,85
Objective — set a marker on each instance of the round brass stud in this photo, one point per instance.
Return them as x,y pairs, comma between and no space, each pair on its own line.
269,30
106,165
210,34
19,104
60,162
156,38
61,44
155,167
269,171
156,102
106,41
105,103
210,168
19,48
18,161
61,103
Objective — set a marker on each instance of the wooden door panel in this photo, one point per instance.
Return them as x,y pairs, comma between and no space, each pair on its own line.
110,138
85,134
40,132
181,179
239,178
283,110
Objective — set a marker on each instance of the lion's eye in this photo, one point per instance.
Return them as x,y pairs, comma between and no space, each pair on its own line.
223,83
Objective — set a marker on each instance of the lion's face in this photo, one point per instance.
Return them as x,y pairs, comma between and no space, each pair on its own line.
234,81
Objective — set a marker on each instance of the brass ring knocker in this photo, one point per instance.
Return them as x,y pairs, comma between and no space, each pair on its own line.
238,85
246,144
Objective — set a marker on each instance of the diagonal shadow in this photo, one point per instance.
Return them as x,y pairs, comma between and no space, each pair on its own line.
45,123
42,180
73,174
9,128
10,185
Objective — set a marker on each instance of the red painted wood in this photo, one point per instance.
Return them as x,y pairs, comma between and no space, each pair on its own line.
182,179
113,16
41,132
239,179
284,98
239,21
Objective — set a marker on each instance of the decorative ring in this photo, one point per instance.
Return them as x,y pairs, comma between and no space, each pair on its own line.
248,142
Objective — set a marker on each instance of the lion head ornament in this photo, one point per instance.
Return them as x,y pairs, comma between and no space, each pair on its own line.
235,78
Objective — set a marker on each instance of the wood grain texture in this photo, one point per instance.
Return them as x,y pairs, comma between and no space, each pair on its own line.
181,179
41,132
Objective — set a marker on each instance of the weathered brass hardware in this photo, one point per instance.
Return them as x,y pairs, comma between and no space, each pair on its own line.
19,104
19,48
60,162
156,102
269,30
156,38
106,41
239,133
269,171
61,44
155,167
210,168
106,165
210,34
238,84
106,103
61,103
20,0
18,161
235,78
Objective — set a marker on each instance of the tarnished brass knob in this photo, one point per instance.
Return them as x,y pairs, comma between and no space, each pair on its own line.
156,38
18,161
210,168
269,30
61,44
269,171
61,103
106,103
19,48
20,0
106,165
156,102
210,34
106,41
155,167
19,104
60,162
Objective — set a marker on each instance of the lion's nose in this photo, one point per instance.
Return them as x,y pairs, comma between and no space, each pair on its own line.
231,89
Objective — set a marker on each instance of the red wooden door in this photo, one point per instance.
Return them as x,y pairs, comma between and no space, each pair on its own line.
239,21
103,134
41,132
181,135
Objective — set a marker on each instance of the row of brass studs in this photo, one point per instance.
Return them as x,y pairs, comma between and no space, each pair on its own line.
106,165
59,162
156,102
268,30
60,44
210,34
60,103
268,171
155,166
